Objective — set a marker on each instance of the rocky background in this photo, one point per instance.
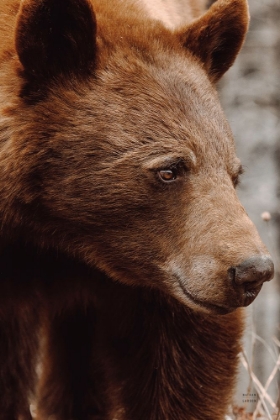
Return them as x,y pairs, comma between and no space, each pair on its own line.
250,94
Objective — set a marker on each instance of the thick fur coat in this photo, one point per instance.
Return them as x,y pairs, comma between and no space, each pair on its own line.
125,253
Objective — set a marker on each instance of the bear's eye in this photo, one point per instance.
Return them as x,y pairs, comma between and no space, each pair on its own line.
167,175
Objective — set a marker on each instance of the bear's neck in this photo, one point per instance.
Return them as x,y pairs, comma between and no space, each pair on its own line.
173,355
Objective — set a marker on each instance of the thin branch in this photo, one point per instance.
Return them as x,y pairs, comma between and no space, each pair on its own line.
268,382
259,388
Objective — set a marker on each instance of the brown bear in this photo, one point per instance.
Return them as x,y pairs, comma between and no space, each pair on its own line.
125,253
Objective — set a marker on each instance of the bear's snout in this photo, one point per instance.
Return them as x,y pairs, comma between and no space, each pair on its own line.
209,284
249,276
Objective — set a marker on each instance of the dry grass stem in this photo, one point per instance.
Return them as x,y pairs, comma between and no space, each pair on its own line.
259,388
268,382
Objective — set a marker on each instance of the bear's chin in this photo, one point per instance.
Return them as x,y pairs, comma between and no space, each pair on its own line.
205,307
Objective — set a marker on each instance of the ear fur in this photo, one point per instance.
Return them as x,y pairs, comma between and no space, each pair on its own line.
55,37
217,36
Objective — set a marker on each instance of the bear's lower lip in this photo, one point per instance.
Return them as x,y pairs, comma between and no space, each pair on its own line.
247,298
210,307
250,295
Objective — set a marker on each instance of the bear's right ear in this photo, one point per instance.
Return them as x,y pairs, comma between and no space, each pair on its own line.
56,37
217,36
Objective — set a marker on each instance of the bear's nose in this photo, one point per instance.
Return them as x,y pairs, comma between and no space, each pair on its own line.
252,272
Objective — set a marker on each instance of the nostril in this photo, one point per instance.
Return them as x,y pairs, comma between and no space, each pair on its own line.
255,270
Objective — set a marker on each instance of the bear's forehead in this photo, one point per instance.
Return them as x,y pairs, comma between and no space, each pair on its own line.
170,103
173,84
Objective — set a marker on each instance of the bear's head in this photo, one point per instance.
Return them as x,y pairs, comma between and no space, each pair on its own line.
122,156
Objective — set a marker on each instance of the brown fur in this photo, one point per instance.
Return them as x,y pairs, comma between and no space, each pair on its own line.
116,282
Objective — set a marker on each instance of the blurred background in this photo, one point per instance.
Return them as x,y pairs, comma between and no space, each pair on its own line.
250,95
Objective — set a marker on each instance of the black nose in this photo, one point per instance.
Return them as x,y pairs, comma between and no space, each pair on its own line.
252,272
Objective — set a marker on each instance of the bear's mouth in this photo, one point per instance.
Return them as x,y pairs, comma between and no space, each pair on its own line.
209,307
250,295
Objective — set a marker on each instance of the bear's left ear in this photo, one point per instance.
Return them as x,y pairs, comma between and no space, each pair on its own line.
217,36
55,37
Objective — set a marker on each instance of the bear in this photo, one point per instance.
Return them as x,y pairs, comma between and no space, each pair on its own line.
126,257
